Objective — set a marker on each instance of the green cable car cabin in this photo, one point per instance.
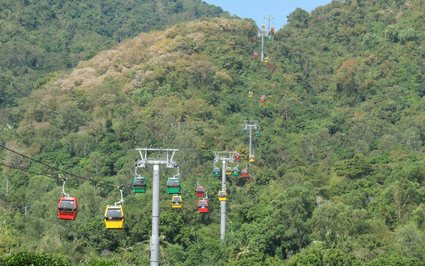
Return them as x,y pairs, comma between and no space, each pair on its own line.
244,130
173,185
139,184
257,133
235,171
216,171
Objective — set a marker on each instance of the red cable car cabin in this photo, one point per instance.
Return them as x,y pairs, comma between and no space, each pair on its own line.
67,208
272,28
255,55
237,156
203,206
200,191
263,99
244,173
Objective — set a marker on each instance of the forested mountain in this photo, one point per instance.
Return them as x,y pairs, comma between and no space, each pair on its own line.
339,170
42,36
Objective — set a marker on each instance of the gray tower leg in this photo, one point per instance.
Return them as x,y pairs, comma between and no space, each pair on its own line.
262,47
223,203
155,217
250,141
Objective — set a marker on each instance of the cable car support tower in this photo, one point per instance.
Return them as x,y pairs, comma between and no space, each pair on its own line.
156,163
224,156
263,33
250,124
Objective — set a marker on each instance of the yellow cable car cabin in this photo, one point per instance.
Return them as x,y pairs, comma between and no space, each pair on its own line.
222,195
263,26
266,59
114,217
228,170
251,158
250,94
177,202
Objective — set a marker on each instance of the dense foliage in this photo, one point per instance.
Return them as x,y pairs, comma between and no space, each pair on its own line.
339,171
42,36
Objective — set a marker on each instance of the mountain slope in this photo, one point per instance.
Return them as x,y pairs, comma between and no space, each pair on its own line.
38,37
339,167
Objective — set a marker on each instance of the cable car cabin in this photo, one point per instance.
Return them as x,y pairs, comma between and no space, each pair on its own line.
203,206
200,191
173,185
262,99
270,38
272,29
257,133
216,171
177,202
228,170
235,171
250,94
263,26
259,37
67,208
244,130
237,156
266,59
244,173
255,55
114,217
139,185
251,158
222,195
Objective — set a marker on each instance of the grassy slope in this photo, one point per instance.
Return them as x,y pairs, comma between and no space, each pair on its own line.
38,37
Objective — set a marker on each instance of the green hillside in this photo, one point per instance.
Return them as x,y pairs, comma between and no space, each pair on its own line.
43,36
339,170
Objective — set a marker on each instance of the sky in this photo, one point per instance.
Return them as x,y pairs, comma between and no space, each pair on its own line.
257,9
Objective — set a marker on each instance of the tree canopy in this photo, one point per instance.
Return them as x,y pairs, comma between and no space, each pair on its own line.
339,170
